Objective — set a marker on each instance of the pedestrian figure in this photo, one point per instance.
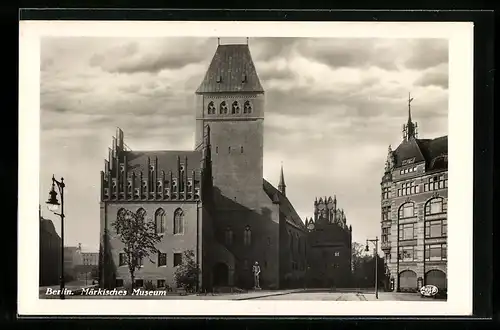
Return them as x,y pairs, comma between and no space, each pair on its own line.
256,272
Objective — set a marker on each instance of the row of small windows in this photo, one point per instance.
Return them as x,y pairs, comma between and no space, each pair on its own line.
160,220
409,188
223,108
160,262
408,170
432,252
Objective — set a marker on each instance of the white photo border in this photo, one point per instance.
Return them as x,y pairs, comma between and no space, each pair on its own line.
460,172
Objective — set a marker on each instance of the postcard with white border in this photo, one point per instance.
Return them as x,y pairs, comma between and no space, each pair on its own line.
245,168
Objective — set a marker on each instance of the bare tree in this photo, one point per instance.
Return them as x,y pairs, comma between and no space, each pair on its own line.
139,238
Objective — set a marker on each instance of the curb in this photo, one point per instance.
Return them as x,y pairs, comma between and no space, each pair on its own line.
268,295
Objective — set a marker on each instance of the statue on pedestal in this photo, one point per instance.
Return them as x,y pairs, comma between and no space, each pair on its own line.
256,272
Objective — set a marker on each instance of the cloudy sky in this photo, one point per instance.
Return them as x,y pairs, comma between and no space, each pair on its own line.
333,106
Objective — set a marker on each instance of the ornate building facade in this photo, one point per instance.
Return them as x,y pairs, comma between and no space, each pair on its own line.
212,200
329,245
414,210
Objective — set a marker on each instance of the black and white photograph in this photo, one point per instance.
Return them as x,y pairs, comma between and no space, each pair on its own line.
236,168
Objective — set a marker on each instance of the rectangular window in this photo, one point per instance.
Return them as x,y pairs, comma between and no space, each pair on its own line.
177,259
406,253
435,228
162,259
122,259
407,231
337,253
160,283
435,252
139,283
119,283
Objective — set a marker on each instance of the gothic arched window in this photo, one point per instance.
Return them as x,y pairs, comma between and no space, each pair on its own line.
178,221
229,236
247,107
160,221
247,236
223,108
407,210
120,215
211,108
290,236
141,215
235,108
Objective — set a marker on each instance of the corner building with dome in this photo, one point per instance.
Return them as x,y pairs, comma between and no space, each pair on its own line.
213,199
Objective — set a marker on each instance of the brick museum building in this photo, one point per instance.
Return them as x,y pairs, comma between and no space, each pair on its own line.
414,211
213,199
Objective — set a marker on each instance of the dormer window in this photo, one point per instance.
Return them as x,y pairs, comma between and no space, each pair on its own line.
244,78
235,109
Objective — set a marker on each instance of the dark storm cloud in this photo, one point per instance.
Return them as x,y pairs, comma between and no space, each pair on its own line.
427,53
134,57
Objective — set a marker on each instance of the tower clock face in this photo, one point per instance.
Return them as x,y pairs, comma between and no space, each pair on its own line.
321,206
310,226
330,205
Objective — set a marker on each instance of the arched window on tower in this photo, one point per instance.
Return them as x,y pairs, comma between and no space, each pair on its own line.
229,236
247,107
223,108
178,221
247,236
235,108
160,221
211,108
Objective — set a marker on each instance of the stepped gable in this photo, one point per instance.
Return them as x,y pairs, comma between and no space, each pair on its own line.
286,208
167,160
231,70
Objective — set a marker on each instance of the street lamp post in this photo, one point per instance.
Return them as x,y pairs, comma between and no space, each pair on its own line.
375,241
53,205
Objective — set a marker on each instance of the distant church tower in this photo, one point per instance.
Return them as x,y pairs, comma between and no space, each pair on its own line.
231,100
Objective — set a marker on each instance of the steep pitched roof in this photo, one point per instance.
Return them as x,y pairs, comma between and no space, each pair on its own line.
432,151
167,160
408,149
435,152
286,208
231,70
46,225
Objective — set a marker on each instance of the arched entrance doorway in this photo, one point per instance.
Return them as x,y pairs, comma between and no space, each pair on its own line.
407,280
220,274
437,278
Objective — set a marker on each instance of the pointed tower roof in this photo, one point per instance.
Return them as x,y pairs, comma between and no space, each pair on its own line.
231,70
282,185
410,127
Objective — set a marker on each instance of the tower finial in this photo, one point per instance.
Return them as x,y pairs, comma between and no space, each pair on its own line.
218,41
281,185
247,40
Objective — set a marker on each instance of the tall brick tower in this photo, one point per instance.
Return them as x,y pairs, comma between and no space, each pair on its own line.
231,100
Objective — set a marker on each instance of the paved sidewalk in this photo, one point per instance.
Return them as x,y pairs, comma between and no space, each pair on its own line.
394,296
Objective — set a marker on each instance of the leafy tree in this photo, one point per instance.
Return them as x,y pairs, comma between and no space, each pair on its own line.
139,238
186,274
